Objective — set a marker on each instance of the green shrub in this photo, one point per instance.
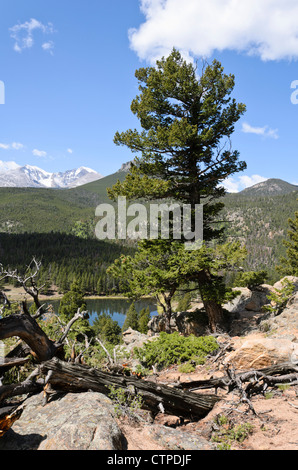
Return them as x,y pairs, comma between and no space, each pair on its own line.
184,303
280,297
126,403
250,279
187,368
227,434
170,349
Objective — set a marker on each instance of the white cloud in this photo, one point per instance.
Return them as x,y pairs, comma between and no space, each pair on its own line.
7,166
14,146
70,151
39,153
23,34
233,185
4,146
48,46
266,28
265,131
17,146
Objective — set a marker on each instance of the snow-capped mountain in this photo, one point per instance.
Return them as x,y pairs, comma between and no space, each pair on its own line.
33,177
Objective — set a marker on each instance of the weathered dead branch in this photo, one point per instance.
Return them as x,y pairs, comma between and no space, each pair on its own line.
69,377
273,375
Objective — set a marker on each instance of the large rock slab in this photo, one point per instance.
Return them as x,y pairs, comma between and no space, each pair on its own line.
249,300
285,324
83,421
293,279
260,352
175,439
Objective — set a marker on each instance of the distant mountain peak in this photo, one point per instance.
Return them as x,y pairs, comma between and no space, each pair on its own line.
272,186
125,167
29,176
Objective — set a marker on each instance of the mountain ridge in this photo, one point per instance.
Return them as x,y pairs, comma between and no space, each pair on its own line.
29,176
271,186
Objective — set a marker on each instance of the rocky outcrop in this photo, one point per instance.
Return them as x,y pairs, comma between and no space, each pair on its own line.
260,352
187,323
249,300
293,279
285,324
84,421
275,341
243,314
174,439
133,339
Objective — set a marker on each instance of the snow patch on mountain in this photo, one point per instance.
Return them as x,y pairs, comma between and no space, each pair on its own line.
15,176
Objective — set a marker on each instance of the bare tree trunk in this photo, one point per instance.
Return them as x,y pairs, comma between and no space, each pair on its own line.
26,328
213,309
215,314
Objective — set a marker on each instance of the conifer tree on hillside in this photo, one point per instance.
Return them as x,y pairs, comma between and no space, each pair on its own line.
184,153
144,318
132,318
69,305
289,265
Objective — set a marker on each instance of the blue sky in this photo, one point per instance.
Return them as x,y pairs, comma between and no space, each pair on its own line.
68,70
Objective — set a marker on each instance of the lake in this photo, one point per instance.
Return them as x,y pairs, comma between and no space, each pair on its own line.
116,308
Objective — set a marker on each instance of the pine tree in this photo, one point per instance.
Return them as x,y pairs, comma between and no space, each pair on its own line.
108,329
144,318
184,303
185,152
132,319
289,265
71,302
69,305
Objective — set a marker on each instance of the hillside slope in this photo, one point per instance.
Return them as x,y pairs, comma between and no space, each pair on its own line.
270,187
261,223
257,216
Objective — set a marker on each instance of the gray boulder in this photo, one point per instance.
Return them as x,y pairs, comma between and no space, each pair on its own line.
250,300
83,421
186,323
285,324
176,439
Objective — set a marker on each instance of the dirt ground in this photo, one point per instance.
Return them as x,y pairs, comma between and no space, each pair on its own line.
274,427
18,294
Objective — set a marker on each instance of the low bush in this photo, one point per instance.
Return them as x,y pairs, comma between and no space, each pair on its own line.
173,348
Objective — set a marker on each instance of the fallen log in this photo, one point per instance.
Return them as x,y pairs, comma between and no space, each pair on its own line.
278,370
8,363
68,377
23,388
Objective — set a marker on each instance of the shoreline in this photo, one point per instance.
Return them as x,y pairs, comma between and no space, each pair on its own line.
15,294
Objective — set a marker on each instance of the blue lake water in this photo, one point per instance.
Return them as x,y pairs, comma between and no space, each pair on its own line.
116,308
